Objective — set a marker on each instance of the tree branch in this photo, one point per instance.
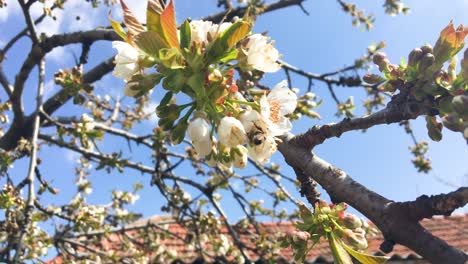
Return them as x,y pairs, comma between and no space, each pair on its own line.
24,129
428,206
29,22
394,224
32,165
5,83
240,11
393,113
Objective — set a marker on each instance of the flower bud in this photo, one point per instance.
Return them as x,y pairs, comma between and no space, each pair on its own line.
427,49
224,156
453,122
414,57
460,104
211,160
199,131
231,132
372,78
464,65
351,221
239,155
449,42
380,59
426,61
355,239
434,128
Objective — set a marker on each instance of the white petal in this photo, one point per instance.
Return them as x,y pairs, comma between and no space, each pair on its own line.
262,153
126,52
265,107
199,130
249,118
284,96
231,132
203,148
125,71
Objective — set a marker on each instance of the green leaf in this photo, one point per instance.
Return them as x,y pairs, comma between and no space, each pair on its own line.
235,33
340,255
150,43
142,83
364,258
196,82
171,58
178,133
174,81
230,56
166,99
118,28
153,15
306,214
185,35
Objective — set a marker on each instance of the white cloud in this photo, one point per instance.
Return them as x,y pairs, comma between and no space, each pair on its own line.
150,109
76,15
71,156
11,9
57,55
49,88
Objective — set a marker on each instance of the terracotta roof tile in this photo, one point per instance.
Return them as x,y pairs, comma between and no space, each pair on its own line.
453,229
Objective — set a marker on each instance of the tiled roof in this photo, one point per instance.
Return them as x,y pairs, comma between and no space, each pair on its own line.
453,229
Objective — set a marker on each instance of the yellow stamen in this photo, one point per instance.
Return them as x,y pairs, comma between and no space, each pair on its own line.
275,111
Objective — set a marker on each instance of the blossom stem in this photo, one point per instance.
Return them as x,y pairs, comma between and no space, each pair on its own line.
252,104
182,107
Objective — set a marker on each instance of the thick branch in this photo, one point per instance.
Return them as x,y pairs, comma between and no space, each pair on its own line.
428,206
393,113
5,83
394,224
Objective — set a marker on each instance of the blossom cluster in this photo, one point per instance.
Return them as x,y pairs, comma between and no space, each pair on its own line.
426,79
199,59
346,234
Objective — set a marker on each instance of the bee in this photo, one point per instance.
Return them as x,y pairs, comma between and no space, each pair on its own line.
257,135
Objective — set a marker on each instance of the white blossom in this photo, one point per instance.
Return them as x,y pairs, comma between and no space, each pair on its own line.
224,245
271,122
126,61
280,102
88,122
204,32
231,132
199,131
260,54
263,151
240,157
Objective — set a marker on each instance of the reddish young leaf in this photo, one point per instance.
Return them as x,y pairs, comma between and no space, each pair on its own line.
155,6
168,25
132,23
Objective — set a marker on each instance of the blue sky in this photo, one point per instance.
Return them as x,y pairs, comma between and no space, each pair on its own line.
321,42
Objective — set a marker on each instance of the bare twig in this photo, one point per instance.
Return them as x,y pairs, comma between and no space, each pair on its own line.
32,165
29,21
